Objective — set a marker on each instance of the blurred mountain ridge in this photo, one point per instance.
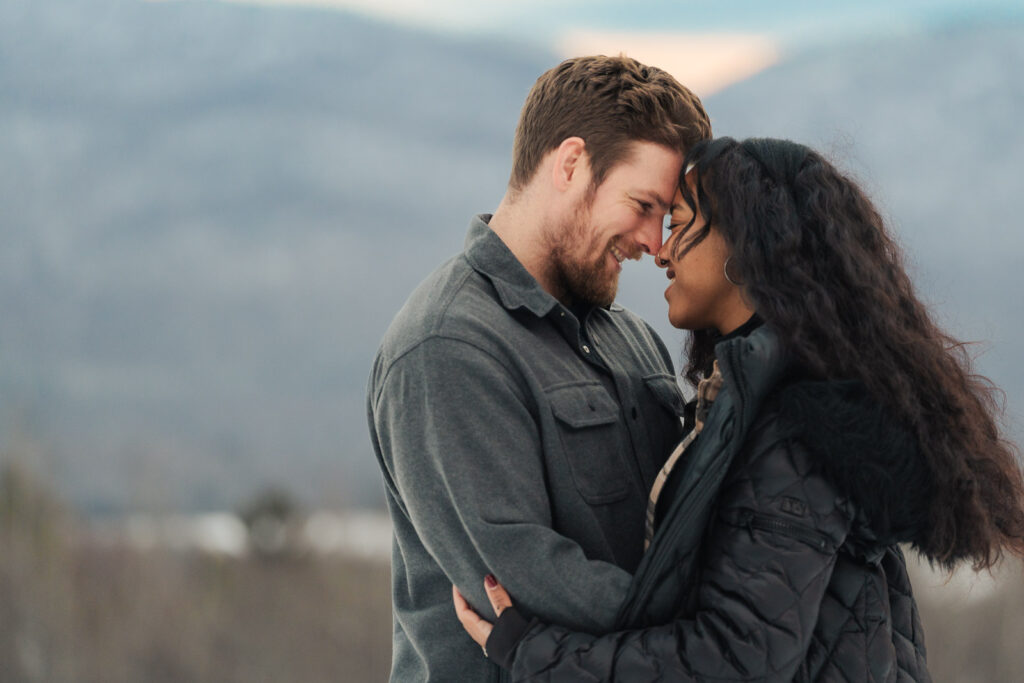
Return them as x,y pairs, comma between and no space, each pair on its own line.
210,212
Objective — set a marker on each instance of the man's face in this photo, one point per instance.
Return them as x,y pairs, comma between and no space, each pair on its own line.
621,219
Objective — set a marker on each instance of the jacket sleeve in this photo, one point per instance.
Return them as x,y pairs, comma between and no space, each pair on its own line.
461,449
769,557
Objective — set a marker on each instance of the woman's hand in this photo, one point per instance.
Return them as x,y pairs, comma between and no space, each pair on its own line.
478,628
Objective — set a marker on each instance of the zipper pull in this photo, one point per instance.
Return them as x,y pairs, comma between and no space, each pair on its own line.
746,520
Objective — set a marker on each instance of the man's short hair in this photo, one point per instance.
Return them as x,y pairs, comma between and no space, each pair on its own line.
610,102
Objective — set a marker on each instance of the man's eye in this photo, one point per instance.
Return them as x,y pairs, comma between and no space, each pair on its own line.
645,207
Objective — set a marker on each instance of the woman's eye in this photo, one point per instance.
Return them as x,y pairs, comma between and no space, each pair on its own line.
668,224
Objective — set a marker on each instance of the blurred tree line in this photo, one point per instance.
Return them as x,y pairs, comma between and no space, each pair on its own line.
75,610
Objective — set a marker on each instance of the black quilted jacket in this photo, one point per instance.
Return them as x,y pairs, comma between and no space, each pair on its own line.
778,559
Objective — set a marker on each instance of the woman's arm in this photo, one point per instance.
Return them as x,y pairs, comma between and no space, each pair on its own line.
770,555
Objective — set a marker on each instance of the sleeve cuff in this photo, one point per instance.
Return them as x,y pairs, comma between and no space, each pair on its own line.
509,629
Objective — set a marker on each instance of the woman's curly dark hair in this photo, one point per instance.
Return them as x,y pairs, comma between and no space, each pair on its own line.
818,265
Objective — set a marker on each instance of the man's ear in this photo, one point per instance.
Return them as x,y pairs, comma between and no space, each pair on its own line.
572,164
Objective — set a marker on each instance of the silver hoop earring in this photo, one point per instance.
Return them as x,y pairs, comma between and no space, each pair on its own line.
725,269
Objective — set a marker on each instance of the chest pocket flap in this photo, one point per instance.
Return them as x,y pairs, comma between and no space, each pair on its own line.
587,420
583,406
666,390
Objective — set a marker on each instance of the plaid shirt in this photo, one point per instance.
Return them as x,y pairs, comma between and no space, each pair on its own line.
707,392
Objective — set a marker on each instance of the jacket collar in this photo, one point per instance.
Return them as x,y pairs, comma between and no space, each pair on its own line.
751,366
491,257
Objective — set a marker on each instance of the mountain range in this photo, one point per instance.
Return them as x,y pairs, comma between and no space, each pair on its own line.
209,214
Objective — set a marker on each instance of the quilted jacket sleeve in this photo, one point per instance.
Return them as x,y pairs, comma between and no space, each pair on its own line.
768,560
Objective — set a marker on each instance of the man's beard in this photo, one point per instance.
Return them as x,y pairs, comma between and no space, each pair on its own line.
579,281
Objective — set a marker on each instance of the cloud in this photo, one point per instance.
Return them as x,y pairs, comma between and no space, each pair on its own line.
704,63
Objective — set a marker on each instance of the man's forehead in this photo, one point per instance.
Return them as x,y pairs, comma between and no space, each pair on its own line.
645,168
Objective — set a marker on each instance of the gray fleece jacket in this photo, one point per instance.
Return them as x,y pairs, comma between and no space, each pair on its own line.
515,438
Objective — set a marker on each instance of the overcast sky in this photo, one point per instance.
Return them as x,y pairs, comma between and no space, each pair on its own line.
790,21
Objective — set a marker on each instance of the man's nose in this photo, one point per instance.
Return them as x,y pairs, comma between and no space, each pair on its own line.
649,237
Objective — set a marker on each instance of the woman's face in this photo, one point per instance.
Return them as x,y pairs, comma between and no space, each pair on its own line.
699,295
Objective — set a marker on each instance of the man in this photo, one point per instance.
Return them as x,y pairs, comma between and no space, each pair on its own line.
519,416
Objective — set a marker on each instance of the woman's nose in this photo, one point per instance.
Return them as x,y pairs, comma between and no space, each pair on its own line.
660,259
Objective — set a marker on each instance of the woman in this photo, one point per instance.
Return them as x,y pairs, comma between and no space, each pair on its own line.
834,421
